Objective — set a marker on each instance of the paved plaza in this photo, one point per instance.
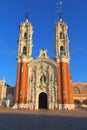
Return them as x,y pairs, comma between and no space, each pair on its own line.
43,120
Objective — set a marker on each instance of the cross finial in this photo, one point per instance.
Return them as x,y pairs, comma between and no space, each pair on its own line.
59,9
26,15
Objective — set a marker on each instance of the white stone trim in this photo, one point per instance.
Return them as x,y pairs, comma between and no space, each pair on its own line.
63,60
15,106
61,106
20,106
25,59
79,98
38,60
77,83
66,106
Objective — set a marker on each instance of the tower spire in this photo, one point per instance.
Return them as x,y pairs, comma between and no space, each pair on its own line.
59,9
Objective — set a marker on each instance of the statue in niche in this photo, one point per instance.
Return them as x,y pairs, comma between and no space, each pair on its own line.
43,78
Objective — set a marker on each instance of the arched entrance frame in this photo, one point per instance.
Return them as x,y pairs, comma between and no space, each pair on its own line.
37,98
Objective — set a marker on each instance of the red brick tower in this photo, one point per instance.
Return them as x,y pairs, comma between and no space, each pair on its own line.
62,56
23,58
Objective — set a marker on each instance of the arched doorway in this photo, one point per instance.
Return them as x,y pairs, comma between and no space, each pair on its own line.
77,103
43,100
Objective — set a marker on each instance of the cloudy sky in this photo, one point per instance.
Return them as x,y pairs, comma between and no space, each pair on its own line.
43,16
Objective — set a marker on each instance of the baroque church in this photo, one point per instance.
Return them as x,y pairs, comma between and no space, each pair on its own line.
44,83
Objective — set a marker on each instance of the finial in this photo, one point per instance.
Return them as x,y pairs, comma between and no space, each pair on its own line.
59,9
26,15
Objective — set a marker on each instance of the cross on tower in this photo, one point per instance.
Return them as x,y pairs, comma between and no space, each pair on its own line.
26,15
59,9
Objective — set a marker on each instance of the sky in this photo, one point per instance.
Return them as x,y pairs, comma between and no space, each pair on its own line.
43,16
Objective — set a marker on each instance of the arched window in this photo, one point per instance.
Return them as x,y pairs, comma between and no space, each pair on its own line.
76,90
77,103
61,50
24,50
25,35
61,35
85,102
84,90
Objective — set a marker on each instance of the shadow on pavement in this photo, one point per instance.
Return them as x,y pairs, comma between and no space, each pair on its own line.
22,121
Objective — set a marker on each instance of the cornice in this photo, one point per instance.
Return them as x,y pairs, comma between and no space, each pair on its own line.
24,59
48,60
63,59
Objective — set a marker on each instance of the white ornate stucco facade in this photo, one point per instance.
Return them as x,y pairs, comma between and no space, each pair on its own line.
42,80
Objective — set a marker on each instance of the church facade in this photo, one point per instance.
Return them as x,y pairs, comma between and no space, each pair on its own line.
43,82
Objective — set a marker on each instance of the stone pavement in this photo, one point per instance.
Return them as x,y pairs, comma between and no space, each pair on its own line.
43,120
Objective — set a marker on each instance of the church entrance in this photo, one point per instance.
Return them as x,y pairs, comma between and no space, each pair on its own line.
43,100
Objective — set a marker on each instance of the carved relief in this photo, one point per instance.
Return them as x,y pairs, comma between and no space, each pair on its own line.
42,78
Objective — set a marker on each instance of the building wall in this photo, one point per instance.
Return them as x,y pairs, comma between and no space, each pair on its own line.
2,90
79,92
10,95
6,93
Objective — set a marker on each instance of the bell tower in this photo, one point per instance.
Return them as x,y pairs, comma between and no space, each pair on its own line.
61,40
63,58
23,58
25,39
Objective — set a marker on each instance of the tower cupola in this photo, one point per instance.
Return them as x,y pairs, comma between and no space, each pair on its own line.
61,36
25,39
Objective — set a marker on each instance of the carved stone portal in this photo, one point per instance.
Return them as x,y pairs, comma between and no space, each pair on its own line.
42,79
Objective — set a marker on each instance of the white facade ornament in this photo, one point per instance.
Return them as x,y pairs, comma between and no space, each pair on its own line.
43,53
42,80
